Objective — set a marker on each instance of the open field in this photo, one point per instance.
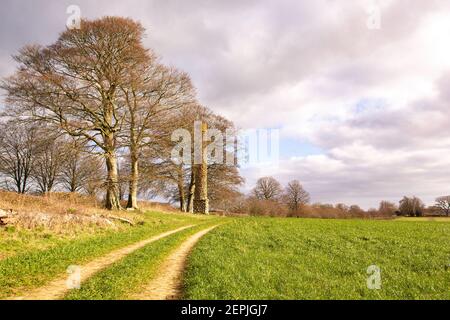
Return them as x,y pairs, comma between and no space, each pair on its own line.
266,258
243,258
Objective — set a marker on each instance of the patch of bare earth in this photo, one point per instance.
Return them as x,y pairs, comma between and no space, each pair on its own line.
58,287
168,283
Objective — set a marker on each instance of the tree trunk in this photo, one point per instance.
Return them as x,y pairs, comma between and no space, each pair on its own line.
134,178
182,201
112,201
19,187
190,205
73,180
181,193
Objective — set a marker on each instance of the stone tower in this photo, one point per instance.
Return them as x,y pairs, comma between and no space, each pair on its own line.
201,203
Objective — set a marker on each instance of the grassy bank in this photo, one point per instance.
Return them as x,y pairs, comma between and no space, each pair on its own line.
263,258
43,222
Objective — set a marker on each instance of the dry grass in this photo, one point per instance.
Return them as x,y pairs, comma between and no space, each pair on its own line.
60,223
156,206
65,212
56,203
438,219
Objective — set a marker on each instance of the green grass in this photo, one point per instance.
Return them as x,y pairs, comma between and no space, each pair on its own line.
13,241
263,258
34,268
130,275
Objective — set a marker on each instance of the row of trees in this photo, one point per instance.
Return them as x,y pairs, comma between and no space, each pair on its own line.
293,196
35,160
270,198
414,207
103,95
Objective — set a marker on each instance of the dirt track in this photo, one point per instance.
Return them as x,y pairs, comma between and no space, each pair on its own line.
167,285
57,288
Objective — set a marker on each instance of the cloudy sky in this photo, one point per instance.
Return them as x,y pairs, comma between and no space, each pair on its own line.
362,108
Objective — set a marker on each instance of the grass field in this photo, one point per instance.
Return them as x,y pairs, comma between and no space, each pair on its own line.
266,258
244,258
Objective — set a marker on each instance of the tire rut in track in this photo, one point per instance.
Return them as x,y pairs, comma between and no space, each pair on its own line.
167,285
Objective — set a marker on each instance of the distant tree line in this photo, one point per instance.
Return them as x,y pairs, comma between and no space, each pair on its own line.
270,198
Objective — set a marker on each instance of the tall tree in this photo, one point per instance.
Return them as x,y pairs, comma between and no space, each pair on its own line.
74,84
412,207
48,162
80,167
355,211
167,179
177,181
160,174
387,208
295,196
267,188
223,185
17,155
443,204
151,94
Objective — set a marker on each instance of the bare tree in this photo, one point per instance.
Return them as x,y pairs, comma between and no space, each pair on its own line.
151,94
342,207
48,161
74,84
267,188
355,211
224,178
94,184
177,181
160,175
412,207
387,208
223,185
295,196
80,167
17,155
443,204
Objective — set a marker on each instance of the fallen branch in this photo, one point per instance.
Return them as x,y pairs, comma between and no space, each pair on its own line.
121,219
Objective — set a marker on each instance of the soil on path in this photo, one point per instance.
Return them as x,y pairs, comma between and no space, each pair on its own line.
168,285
